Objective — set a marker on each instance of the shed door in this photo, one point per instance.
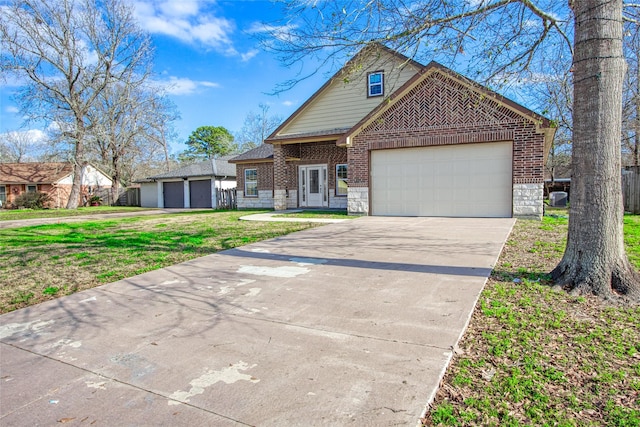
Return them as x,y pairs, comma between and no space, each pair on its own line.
200,193
173,194
467,180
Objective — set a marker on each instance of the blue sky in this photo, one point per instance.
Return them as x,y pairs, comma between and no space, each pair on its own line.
208,58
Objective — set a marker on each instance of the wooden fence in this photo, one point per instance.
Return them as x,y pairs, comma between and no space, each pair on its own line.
227,199
631,189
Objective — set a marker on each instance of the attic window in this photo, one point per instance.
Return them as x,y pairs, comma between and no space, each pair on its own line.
375,84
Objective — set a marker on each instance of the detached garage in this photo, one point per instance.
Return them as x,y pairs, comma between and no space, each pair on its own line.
468,180
190,186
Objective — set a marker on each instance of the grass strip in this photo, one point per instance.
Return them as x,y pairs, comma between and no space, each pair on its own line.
533,355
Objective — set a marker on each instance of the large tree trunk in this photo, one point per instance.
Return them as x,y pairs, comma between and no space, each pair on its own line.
78,166
595,260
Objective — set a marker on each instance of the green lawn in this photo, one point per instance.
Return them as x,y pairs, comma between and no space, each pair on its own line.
632,238
534,355
16,214
43,262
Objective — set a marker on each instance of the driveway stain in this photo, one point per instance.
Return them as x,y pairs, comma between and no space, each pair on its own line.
228,375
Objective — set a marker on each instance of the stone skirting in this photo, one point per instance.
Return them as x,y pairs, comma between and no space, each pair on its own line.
292,200
528,201
358,200
337,202
279,200
263,201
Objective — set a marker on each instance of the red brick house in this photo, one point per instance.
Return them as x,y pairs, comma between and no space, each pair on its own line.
55,179
401,139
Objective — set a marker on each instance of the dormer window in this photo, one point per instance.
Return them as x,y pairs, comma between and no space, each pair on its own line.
375,84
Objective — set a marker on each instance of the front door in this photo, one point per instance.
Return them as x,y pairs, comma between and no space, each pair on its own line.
313,186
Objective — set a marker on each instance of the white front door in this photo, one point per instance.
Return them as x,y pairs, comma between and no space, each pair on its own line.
313,186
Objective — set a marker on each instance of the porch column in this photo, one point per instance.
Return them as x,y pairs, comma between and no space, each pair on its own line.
279,178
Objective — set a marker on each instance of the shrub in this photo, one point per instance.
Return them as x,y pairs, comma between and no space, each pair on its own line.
32,200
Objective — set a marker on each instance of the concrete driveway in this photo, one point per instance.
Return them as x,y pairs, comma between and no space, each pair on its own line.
346,324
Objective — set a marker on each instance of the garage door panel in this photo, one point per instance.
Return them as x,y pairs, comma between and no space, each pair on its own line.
173,194
200,193
456,180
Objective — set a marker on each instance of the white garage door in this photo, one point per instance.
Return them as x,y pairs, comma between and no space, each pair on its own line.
469,180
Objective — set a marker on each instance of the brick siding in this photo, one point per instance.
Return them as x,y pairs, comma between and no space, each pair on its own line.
442,111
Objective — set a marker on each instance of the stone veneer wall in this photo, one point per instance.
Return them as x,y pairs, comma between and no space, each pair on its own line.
337,202
280,200
528,201
358,200
263,201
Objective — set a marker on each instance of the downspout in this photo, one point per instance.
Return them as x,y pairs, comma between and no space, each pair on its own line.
214,190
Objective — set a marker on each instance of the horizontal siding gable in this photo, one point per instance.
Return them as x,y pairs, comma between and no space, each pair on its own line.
344,102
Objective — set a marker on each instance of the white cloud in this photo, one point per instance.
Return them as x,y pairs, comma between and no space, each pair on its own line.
288,103
185,86
12,109
282,32
248,55
186,20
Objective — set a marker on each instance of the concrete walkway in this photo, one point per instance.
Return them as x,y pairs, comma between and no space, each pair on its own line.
346,324
280,216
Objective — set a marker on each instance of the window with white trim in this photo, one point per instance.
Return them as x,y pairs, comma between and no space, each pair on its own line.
375,84
251,183
32,188
3,195
341,180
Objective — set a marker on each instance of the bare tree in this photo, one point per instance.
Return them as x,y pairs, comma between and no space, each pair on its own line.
22,146
125,126
67,52
257,127
160,128
631,94
500,39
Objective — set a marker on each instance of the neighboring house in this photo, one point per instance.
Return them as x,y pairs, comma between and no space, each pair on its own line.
399,138
191,186
55,179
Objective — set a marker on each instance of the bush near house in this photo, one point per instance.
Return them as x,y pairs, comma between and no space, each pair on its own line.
32,200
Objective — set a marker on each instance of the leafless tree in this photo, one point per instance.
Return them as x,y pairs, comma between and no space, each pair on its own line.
21,146
631,96
257,127
501,40
125,125
160,127
67,52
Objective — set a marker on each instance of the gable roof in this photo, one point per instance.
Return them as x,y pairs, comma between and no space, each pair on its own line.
543,123
353,62
203,168
262,152
34,172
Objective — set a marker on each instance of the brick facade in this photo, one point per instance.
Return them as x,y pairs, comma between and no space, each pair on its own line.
281,176
265,175
436,107
442,111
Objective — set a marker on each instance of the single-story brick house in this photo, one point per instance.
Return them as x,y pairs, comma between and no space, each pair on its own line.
53,178
188,186
399,138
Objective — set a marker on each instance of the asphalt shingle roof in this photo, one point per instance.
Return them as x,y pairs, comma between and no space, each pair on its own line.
203,168
33,173
261,152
